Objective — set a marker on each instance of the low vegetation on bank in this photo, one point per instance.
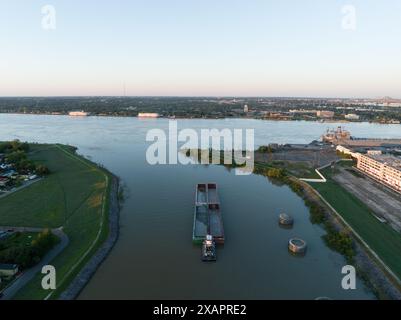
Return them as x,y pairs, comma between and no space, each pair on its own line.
339,241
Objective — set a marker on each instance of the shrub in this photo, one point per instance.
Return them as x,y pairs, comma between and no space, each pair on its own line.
340,242
264,149
317,215
28,256
42,170
276,173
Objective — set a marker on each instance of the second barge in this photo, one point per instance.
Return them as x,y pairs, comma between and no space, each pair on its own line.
207,216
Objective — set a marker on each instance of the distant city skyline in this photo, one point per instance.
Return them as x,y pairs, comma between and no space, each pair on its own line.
202,96
256,48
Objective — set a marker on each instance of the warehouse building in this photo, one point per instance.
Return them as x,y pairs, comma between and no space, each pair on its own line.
384,168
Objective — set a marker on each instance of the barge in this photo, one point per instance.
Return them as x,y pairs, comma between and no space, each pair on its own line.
207,215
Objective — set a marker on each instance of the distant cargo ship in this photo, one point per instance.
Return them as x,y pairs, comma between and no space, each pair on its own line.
147,115
78,113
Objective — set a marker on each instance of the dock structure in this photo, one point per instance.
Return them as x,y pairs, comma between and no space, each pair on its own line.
207,216
340,136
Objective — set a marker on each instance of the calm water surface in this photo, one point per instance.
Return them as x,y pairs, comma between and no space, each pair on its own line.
154,257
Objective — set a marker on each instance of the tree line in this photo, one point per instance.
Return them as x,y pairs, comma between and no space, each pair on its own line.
15,153
26,256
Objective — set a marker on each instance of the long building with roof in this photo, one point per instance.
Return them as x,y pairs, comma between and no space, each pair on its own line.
384,168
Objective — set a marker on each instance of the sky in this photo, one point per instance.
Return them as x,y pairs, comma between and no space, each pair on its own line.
308,48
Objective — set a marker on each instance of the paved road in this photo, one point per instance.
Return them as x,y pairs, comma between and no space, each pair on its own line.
27,275
26,184
26,229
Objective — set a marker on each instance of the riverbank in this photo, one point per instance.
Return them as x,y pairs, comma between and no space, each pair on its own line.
78,196
93,264
368,269
377,244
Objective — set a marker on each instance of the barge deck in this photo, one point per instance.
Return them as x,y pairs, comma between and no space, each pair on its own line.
207,216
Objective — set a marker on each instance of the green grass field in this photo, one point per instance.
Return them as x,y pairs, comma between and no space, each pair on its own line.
75,196
297,169
381,238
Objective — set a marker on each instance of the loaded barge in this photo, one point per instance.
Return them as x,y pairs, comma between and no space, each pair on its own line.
207,216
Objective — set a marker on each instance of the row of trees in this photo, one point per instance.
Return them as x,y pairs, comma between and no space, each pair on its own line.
12,146
265,149
27,256
16,154
185,106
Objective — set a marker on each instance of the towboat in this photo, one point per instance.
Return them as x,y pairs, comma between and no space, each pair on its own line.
209,249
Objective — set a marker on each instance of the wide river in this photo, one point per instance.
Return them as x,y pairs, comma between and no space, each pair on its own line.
154,257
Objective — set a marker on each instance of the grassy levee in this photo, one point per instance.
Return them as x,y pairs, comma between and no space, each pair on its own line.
75,196
297,169
380,237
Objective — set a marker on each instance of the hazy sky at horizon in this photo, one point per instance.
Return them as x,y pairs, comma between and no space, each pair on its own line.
195,48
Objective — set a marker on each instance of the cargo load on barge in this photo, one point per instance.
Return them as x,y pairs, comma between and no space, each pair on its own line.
207,216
